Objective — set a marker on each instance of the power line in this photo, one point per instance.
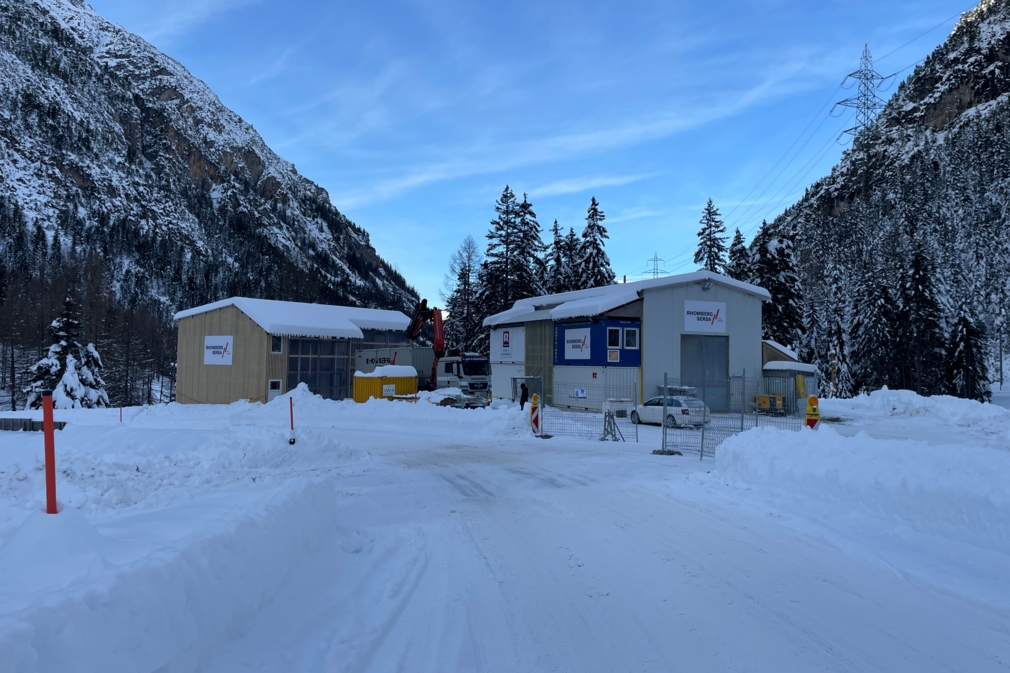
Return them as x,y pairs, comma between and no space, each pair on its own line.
866,101
922,35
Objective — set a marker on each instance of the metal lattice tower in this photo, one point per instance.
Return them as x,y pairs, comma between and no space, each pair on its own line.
866,101
656,271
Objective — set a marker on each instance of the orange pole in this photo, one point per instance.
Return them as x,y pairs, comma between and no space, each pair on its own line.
50,441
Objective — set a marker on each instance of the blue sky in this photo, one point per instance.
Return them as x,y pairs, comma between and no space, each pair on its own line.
414,115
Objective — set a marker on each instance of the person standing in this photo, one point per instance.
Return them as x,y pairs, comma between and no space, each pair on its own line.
524,396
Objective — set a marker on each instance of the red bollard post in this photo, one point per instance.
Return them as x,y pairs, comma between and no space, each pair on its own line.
291,405
50,440
120,413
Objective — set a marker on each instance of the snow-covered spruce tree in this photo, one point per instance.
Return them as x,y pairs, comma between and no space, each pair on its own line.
498,284
594,264
967,360
874,331
557,272
921,340
772,267
738,266
711,252
71,371
573,247
463,326
531,274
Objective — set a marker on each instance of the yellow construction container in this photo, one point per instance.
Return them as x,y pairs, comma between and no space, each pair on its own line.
768,404
366,387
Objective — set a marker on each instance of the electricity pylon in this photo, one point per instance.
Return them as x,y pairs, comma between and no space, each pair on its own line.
866,101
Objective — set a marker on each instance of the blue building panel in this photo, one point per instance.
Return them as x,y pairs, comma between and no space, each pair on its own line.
601,343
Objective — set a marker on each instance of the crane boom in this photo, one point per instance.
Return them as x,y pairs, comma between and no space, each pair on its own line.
423,314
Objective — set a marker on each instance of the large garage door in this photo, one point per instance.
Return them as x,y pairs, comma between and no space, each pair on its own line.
704,364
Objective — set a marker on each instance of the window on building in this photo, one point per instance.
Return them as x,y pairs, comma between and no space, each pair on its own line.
631,338
276,344
321,364
613,337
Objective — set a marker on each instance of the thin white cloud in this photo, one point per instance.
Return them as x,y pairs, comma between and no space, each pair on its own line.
575,185
182,17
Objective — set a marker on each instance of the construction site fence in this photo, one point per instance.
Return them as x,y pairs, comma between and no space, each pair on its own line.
603,408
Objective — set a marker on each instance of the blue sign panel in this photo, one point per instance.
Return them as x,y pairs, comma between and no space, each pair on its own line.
605,343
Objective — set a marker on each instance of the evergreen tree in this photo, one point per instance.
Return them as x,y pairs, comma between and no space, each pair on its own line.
531,272
71,371
572,254
557,271
594,264
711,253
967,375
501,262
772,267
921,340
874,333
738,266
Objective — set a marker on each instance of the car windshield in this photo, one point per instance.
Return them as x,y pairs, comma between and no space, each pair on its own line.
476,367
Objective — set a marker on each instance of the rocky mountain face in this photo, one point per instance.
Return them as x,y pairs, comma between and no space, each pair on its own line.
908,236
112,148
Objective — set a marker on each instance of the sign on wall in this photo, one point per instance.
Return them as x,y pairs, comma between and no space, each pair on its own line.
388,389
705,316
508,345
217,350
578,344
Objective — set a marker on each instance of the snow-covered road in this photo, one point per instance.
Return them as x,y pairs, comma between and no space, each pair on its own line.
547,557
413,538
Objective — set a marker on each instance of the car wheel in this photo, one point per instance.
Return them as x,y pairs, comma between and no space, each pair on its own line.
634,418
671,422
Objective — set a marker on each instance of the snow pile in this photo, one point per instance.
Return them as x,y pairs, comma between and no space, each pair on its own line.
905,403
75,597
958,492
389,371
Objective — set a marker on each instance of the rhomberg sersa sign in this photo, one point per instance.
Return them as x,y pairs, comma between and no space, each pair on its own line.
577,344
705,316
217,350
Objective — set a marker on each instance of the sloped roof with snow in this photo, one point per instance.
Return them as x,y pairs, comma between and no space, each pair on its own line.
598,300
288,318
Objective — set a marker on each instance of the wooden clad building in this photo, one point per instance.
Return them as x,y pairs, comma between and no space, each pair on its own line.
257,349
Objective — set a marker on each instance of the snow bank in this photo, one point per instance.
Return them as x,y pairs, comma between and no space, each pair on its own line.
959,492
389,371
102,607
906,403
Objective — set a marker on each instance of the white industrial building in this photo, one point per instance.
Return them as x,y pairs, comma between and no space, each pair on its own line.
700,328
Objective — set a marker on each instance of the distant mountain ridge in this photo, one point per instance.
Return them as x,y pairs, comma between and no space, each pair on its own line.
124,152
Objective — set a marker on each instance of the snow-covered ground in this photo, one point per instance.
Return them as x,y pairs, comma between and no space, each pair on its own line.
399,536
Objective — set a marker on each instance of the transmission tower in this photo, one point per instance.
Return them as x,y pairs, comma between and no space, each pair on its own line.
656,271
866,101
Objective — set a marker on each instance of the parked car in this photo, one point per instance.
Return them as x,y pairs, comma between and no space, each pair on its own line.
681,411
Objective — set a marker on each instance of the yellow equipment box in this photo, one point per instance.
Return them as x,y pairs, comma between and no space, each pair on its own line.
768,404
388,387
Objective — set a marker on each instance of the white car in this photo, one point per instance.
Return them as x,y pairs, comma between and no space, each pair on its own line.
681,411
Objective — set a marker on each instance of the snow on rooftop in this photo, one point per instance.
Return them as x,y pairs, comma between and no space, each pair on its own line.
523,309
785,350
781,365
288,318
590,306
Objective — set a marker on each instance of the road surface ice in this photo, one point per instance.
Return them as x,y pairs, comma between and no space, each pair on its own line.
399,537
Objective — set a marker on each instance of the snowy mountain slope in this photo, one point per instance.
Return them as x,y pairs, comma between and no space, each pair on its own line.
125,152
925,191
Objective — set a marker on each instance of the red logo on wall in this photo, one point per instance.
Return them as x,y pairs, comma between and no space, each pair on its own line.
505,339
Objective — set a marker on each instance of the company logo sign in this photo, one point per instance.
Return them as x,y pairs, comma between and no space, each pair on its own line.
705,316
505,339
577,344
217,350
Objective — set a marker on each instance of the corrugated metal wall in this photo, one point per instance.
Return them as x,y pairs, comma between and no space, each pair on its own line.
540,354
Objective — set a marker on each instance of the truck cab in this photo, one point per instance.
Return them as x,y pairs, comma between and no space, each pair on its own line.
470,372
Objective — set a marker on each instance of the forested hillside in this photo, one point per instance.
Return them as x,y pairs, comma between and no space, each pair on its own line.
125,182
903,252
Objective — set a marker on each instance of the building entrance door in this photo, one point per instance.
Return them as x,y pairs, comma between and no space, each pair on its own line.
273,389
704,364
